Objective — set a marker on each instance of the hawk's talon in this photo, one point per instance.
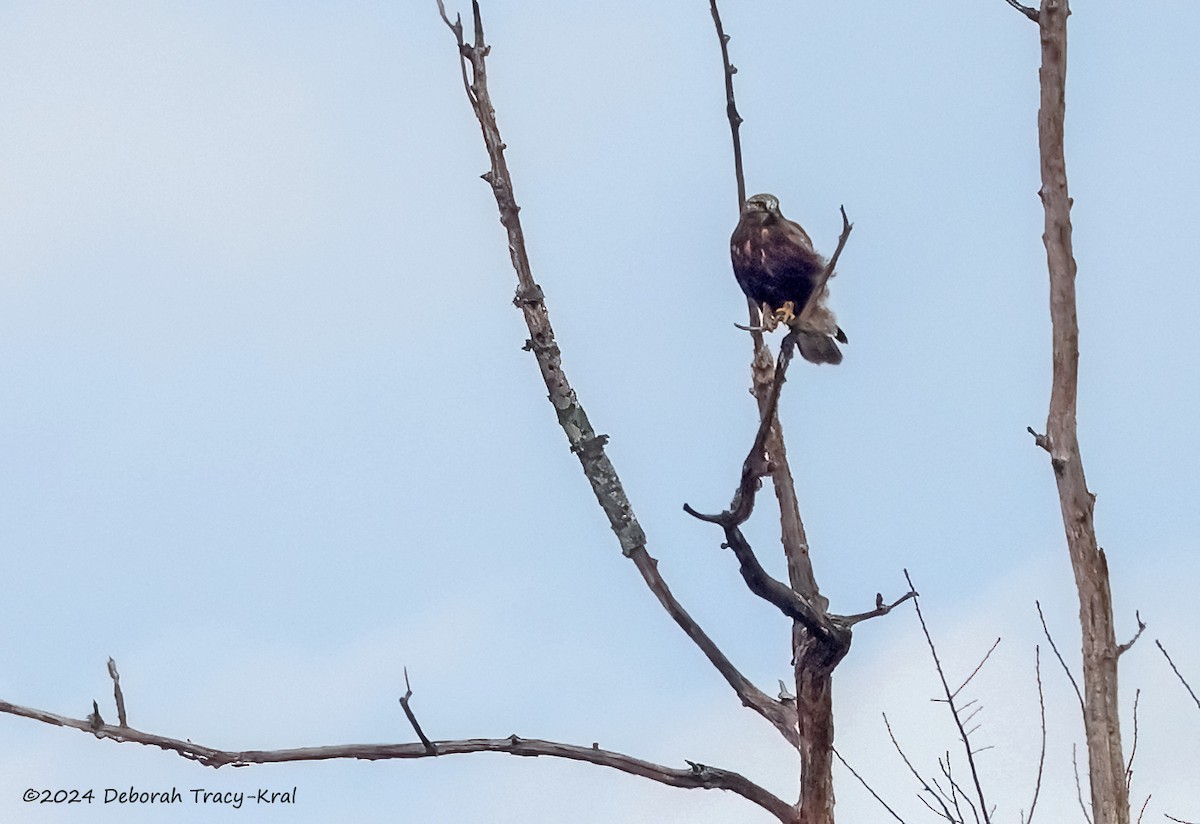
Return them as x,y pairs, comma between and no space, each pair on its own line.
785,314
770,320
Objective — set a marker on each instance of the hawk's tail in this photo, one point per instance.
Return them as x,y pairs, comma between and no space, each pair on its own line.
817,347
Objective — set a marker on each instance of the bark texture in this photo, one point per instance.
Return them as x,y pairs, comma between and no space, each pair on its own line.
1110,796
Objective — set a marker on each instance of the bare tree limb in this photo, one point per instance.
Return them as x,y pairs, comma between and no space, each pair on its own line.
587,445
867,786
1178,674
118,696
1058,655
1028,11
880,609
696,776
735,119
1124,648
945,812
962,732
975,671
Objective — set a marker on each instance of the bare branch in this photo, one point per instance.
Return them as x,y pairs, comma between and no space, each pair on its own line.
1123,648
1178,820
975,671
781,715
1042,441
698,776
587,445
1058,655
1029,12
412,719
118,696
1137,697
962,732
1037,786
1141,813
1178,674
756,465
735,120
880,609
1078,786
945,813
867,786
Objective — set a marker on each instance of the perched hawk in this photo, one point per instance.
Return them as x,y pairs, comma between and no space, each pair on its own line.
774,262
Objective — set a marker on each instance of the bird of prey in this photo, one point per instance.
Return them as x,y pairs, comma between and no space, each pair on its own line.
776,266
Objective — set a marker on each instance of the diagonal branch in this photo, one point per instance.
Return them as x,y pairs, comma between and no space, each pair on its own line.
1058,655
584,441
945,812
1178,674
697,776
867,786
962,732
880,609
412,718
1028,11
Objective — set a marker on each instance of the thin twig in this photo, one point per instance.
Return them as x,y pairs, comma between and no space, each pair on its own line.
924,784
412,719
1178,674
963,735
1037,785
735,119
1142,812
1058,655
1137,697
867,786
975,671
1078,786
118,696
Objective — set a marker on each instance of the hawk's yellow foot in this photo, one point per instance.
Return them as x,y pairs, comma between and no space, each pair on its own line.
785,314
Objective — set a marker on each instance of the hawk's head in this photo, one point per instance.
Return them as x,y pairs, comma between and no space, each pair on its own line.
761,206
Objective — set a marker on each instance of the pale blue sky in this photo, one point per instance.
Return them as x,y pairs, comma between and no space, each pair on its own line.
268,435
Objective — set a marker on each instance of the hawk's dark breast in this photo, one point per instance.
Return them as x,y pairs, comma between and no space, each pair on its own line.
773,260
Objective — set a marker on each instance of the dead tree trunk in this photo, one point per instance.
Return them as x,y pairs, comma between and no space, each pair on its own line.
1110,795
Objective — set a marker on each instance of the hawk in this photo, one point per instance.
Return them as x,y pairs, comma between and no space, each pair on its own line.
776,266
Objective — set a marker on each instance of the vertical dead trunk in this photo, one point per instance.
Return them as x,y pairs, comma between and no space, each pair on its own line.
813,658
1110,797
814,667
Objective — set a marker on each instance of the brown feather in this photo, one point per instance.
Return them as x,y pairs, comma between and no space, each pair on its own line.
774,263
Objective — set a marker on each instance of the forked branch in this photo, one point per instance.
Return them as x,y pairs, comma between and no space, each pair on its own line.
950,702
584,441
